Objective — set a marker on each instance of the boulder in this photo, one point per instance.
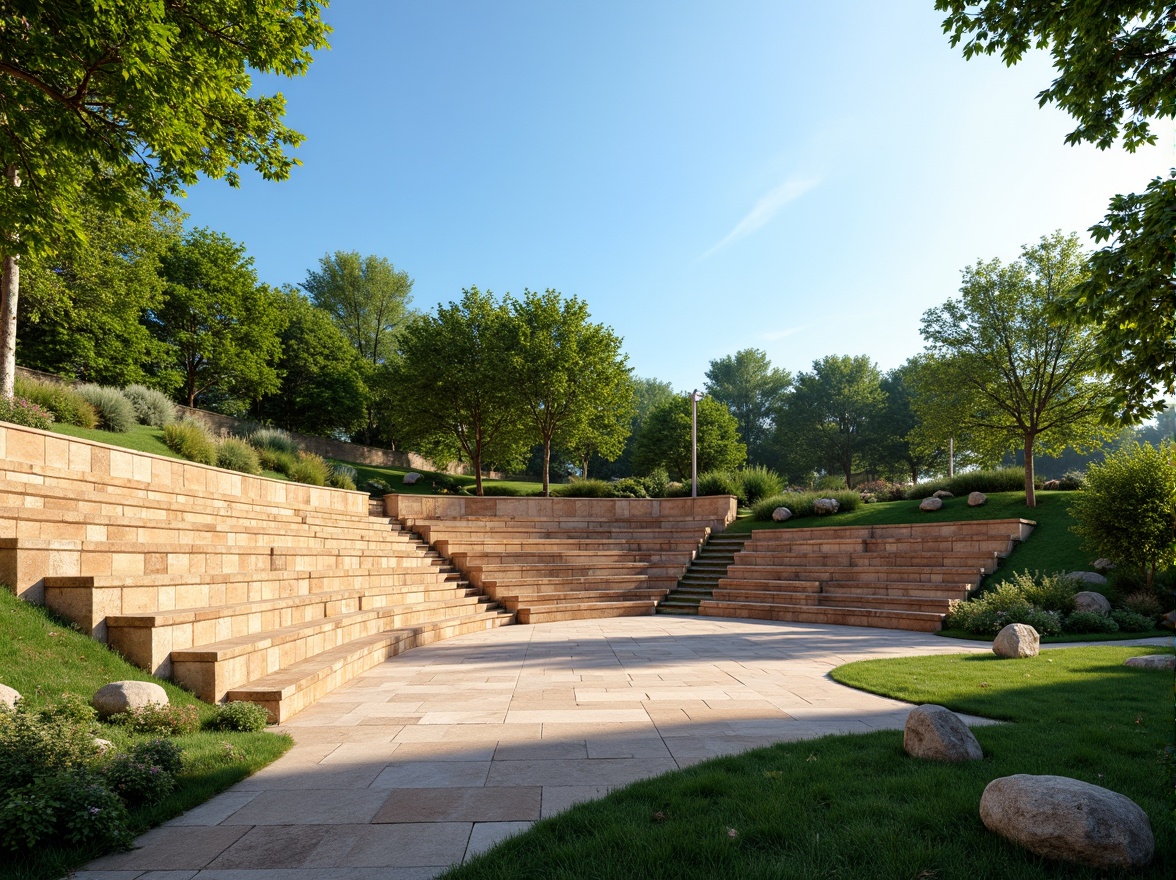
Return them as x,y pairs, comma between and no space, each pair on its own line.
1088,600
1070,820
781,514
8,697
977,499
938,734
826,505
941,493
1051,485
1102,564
931,503
102,745
1087,577
1017,640
410,478
1152,661
124,696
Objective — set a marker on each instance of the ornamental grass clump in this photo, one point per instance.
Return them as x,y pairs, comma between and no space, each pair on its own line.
274,439
342,476
757,483
311,469
115,412
986,481
151,407
236,455
67,406
589,488
191,440
802,503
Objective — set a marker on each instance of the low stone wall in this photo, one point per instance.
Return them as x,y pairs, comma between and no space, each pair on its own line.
715,511
103,463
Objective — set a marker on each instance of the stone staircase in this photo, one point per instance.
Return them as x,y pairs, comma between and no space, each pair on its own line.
703,574
897,577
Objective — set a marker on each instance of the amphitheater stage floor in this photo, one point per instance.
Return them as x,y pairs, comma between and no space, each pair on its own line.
437,754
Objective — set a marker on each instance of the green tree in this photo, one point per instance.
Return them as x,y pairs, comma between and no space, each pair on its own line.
648,394
106,100
570,375
899,449
665,440
220,326
832,419
1126,510
83,304
321,390
1019,376
456,399
752,389
1116,77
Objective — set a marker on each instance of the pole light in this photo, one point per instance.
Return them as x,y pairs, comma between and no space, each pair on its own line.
694,398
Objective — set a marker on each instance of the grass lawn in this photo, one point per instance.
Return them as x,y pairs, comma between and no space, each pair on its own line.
141,438
43,658
858,806
1052,546
394,478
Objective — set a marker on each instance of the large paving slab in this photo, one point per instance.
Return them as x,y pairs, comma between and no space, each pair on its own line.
437,754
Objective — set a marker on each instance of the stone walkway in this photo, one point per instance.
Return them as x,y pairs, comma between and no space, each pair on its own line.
439,753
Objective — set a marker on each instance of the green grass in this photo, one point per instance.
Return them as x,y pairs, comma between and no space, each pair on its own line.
141,438
42,657
394,477
858,806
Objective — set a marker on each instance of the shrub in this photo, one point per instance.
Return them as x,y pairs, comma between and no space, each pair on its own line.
115,412
584,489
1143,602
718,483
137,780
67,406
275,439
378,487
758,482
656,482
1130,622
1071,481
160,752
987,481
801,503
19,411
162,720
1013,601
1090,622
276,460
311,469
69,709
630,487
1049,592
73,806
1127,509
501,491
151,407
191,440
880,490
342,476
34,744
239,715
237,455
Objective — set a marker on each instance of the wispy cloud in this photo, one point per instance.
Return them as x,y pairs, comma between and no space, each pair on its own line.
777,335
768,206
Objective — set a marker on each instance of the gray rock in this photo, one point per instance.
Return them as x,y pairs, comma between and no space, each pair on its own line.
1152,661
826,505
1051,485
410,478
938,734
1017,640
8,697
977,499
1088,600
102,745
1087,577
1102,564
122,696
942,493
1070,820
931,503
781,514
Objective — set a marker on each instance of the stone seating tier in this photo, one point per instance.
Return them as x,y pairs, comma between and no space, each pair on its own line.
901,577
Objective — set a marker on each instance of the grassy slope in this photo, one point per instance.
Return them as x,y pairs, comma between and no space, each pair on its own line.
43,658
858,806
141,438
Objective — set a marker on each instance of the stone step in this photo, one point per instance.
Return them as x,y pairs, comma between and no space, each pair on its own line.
586,610
909,620
874,574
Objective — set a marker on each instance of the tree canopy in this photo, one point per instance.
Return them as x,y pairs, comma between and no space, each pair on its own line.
1116,77
1005,368
665,440
752,389
570,375
109,99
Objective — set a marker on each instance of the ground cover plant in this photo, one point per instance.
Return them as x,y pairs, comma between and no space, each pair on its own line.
857,806
68,407
44,659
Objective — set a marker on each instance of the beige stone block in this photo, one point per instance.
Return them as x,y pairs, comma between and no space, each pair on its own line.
122,464
25,445
57,452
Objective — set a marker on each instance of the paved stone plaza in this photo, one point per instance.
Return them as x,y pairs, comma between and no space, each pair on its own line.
436,754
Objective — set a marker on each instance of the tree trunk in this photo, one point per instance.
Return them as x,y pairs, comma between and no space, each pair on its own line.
547,469
1030,492
584,465
9,294
476,461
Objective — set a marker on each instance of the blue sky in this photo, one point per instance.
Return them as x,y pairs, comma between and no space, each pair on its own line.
804,178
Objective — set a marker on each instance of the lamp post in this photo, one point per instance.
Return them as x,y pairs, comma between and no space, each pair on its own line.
694,398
